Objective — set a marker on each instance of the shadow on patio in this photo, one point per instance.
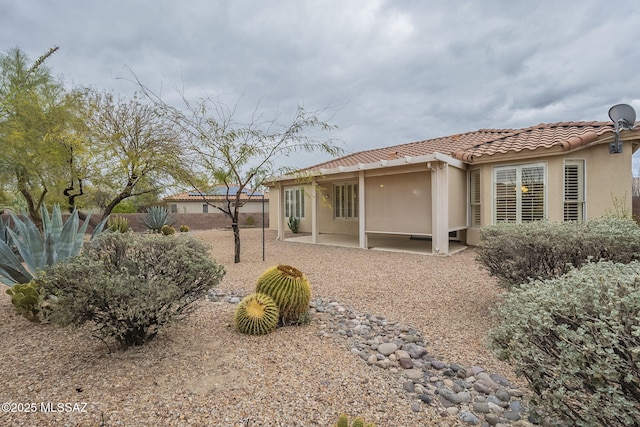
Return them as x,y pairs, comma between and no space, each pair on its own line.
391,243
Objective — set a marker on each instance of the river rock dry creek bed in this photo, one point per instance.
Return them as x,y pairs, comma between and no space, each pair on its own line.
396,338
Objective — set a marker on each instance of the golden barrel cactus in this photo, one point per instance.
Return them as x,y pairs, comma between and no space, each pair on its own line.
257,314
289,288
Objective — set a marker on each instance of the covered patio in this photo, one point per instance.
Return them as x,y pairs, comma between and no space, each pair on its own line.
408,204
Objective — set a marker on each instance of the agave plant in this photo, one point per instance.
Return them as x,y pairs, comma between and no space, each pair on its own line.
156,217
57,242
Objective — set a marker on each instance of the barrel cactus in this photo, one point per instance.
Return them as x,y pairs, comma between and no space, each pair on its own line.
343,421
289,288
167,230
257,314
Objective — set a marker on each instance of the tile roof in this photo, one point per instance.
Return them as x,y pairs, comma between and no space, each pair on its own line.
470,146
216,194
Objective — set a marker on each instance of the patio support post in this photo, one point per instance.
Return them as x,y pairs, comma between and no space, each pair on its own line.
281,211
314,211
362,235
440,208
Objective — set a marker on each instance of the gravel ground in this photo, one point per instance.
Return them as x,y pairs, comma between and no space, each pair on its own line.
202,372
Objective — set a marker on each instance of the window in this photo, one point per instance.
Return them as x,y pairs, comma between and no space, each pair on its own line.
174,208
574,194
294,202
519,193
345,204
205,208
474,197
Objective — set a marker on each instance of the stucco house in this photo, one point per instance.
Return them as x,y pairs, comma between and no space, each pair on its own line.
443,190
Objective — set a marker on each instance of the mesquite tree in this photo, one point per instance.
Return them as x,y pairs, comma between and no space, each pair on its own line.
242,155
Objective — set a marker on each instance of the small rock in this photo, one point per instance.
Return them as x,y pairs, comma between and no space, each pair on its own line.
436,364
387,348
425,398
517,406
495,408
501,380
413,374
468,418
481,408
464,397
409,386
480,387
234,300
406,362
492,419
503,395
416,407
372,359
449,395
515,392
415,351
511,415
401,354
452,410
486,379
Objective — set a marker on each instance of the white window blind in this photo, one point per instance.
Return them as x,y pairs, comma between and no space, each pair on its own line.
345,201
474,195
294,202
574,194
519,193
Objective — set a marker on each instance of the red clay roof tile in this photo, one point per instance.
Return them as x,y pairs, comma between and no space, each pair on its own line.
484,142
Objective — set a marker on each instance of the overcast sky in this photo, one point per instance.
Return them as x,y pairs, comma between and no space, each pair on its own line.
394,71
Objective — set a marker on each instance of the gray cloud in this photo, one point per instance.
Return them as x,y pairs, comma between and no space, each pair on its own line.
398,70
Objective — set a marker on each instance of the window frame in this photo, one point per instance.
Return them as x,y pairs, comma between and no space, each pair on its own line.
346,208
581,200
519,189
294,202
475,198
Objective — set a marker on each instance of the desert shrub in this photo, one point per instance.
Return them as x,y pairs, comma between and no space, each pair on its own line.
516,253
250,221
576,339
131,285
184,228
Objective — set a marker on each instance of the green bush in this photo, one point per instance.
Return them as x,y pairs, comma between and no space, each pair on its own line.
184,228
516,253
576,339
131,285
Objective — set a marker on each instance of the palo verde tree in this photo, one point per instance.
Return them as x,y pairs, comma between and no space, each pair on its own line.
242,155
34,119
135,150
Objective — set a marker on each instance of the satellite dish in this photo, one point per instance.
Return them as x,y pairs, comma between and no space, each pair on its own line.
623,117
623,114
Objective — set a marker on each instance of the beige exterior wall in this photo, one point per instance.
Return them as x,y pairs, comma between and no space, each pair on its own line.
399,203
608,182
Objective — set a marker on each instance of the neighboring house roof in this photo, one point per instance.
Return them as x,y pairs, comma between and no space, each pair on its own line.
469,147
217,193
